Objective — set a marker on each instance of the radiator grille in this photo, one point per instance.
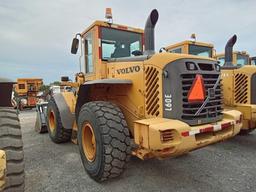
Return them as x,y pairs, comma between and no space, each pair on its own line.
212,109
241,88
152,91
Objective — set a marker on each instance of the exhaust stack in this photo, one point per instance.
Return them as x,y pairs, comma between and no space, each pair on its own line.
149,33
229,52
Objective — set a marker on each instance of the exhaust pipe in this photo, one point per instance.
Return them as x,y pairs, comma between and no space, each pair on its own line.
149,33
229,52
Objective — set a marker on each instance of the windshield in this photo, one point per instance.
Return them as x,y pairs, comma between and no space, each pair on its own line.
200,50
242,59
118,43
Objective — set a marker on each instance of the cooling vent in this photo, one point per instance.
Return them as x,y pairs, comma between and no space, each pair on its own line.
241,88
167,135
152,91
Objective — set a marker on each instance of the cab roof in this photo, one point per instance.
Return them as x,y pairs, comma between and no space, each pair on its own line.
112,25
29,79
188,42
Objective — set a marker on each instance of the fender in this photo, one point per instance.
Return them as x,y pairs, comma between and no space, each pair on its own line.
84,90
64,103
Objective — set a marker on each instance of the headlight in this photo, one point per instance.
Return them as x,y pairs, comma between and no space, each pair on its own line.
217,67
191,66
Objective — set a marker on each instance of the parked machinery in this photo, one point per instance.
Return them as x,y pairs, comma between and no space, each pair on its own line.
238,77
239,58
11,146
26,91
130,100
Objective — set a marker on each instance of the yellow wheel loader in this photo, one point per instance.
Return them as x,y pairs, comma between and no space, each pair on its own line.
239,58
11,146
238,77
130,100
239,82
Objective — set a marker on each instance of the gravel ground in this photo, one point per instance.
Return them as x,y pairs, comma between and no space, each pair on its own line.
227,166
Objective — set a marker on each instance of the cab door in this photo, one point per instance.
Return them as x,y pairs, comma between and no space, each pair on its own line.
89,64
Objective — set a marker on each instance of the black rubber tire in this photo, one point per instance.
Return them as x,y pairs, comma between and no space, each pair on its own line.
60,134
246,131
113,144
11,143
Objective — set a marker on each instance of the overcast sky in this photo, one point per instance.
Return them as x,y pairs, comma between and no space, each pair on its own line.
35,35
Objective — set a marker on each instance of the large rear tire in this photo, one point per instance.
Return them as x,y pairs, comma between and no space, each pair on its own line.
104,140
246,131
11,143
57,132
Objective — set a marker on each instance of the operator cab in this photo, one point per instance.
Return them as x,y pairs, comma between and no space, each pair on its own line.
192,48
239,58
104,41
207,50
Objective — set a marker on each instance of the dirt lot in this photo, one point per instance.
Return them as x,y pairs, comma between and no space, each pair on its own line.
228,166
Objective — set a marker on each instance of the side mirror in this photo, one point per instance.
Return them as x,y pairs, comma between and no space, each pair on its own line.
75,44
162,50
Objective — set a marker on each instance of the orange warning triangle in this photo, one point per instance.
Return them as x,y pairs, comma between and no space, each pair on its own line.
197,91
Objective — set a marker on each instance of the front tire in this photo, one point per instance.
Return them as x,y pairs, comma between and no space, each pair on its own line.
57,132
103,139
11,143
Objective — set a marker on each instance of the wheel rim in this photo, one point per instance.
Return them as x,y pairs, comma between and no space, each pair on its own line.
88,142
52,121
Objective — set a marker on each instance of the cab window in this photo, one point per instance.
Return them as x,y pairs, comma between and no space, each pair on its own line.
88,53
200,50
21,86
242,59
253,61
178,50
118,43
221,60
